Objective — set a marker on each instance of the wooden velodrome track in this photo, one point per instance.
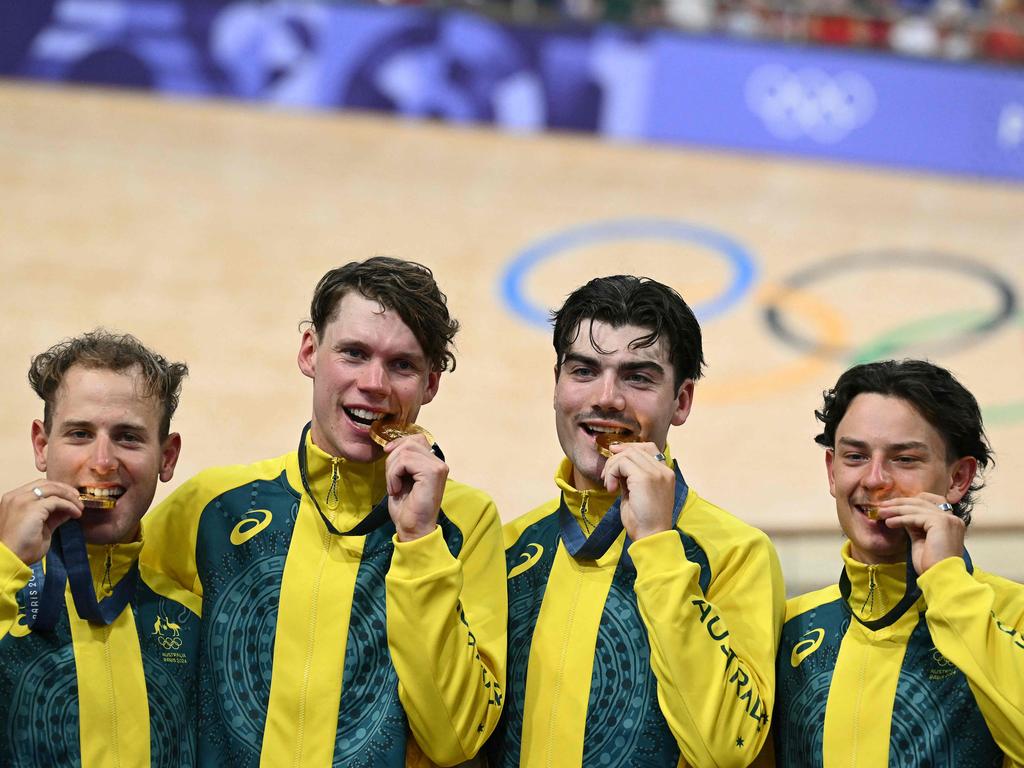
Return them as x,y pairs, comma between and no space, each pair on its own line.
202,228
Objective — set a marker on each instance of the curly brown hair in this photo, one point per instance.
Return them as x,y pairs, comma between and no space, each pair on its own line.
109,351
407,288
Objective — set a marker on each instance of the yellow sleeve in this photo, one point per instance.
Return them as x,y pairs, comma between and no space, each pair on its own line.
981,631
14,575
713,655
447,620
170,531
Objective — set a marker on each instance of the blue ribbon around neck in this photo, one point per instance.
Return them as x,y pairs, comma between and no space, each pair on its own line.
68,562
910,594
44,593
76,560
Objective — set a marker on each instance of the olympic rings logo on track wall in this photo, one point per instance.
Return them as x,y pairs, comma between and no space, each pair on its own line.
743,269
942,334
973,330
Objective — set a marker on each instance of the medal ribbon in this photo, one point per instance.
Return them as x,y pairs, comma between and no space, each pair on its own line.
44,593
910,594
378,515
76,560
608,529
68,561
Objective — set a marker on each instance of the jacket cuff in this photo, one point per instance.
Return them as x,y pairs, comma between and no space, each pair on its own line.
944,580
414,559
14,574
657,554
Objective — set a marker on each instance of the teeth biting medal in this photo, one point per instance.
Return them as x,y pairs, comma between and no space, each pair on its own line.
92,501
383,431
605,440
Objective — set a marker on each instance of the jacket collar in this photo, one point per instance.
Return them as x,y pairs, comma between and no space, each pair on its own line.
345,490
875,589
108,563
594,503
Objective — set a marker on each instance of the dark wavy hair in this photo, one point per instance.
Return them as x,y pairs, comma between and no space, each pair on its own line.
113,352
629,300
407,288
934,393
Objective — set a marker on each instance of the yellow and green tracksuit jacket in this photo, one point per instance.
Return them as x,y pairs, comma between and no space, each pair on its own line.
664,657
94,696
943,685
322,650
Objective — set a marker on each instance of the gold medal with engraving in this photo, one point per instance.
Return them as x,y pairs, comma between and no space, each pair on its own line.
605,440
96,502
383,431
872,513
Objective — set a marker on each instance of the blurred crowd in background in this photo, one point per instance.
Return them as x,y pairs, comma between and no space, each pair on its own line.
989,30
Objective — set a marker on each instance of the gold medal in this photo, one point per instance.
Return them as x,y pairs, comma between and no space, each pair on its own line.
383,431
605,440
872,513
96,502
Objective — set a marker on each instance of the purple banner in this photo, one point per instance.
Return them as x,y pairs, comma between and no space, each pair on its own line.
465,68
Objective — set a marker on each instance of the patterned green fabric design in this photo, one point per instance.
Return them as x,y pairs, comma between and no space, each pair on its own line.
371,723
39,698
525,595
695,554
39,688
935,719
169,641
241,590
241,593
625,726
372,726
801,691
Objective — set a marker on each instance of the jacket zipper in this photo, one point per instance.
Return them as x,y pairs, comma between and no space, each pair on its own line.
106,587
549,749
115,744
333,499
307,669
869,601
867,609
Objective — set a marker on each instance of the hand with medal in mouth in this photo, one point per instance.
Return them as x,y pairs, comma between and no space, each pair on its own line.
415,474
605,441
646,486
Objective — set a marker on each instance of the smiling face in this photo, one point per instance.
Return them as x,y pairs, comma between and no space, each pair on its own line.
104,438
368,364
885,449
617,390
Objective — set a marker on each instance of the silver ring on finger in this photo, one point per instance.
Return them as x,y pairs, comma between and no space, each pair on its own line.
659,457
946,506
38,492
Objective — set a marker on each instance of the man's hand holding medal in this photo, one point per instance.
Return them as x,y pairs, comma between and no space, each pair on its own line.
416,476
29,515
647,484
